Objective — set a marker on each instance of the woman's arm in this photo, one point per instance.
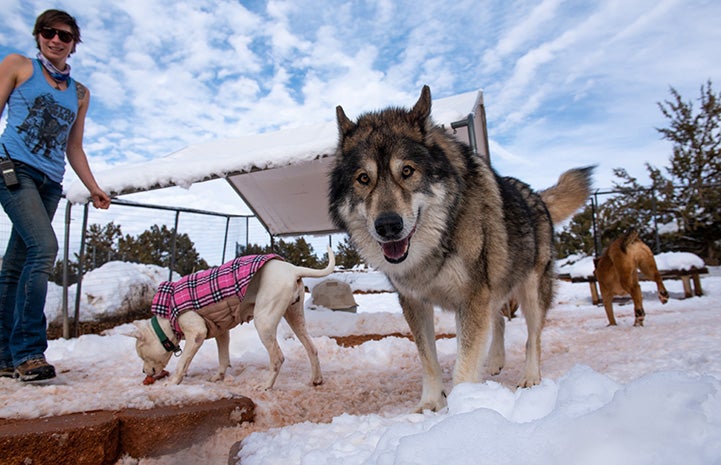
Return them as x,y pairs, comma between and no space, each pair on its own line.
14,70
76,154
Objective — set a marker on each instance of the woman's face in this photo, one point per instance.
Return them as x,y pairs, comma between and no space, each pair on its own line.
53,43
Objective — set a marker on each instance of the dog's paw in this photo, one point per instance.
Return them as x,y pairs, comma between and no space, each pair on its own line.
436,406
495,365
529,381
175,379
217,377
317,382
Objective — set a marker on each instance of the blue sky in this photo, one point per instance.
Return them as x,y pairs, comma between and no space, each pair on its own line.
566,83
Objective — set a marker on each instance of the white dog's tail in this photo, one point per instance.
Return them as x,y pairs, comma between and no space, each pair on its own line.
313,273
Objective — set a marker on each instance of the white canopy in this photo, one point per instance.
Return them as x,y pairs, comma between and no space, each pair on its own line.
282,175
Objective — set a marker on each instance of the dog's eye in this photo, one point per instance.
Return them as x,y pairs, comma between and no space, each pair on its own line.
364,179
407,171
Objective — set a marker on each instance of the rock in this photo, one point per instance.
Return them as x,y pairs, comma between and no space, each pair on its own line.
148,433
102,437
91,438
334,294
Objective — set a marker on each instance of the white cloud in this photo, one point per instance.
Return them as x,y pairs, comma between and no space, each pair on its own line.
559,78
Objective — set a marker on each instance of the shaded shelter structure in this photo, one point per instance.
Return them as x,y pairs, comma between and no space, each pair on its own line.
281,176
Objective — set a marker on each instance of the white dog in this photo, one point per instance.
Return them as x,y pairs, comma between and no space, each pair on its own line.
275,290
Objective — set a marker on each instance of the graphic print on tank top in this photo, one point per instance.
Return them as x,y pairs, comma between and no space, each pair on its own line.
46,126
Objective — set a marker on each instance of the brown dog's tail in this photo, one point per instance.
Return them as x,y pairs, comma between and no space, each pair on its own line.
569,194
628,238
314,273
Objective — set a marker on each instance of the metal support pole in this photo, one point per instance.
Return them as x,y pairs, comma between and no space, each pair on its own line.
594,202
171,263
66,322
225,238
81,271
655,221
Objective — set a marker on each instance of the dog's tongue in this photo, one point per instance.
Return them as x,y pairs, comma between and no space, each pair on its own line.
395,250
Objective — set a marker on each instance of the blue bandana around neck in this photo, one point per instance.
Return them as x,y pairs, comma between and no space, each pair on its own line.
56,74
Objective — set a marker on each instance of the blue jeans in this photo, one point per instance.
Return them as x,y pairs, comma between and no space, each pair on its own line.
27,265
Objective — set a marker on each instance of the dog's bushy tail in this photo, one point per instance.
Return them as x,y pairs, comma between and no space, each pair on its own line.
569,194
627,239
314,273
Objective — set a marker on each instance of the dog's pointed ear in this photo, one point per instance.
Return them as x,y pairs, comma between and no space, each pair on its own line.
137,332
422,109
345,125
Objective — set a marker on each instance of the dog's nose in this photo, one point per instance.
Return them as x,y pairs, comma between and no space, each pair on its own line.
389,225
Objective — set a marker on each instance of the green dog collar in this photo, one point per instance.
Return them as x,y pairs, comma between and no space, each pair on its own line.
164,340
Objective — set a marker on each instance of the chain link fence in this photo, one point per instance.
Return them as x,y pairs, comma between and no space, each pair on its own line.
216,236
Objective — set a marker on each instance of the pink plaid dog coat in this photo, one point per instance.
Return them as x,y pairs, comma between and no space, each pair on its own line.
207,287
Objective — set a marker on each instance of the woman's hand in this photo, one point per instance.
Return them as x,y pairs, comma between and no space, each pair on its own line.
100,199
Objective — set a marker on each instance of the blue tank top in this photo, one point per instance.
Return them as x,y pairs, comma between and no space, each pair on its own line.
38,124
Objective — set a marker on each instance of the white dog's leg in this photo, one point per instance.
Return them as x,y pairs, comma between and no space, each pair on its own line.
223,342
419,316
296,320
195,331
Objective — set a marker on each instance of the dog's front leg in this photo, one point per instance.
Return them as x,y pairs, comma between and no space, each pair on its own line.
223,342
473,324
497,352
419,316
193,342
195,331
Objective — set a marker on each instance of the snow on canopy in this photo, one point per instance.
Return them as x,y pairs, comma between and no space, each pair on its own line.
280,175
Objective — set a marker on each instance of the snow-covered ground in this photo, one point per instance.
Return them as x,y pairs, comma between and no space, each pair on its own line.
622,394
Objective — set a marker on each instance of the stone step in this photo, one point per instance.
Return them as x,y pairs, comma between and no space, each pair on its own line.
102,437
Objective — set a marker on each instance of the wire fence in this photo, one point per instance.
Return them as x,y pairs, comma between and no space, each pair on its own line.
216,236
654,218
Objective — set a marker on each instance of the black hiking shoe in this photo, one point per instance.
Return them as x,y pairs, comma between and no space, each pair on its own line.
35,369
7,372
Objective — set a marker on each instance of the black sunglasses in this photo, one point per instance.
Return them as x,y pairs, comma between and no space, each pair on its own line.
50,32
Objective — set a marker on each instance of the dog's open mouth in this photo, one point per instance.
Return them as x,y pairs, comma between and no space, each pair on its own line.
397,251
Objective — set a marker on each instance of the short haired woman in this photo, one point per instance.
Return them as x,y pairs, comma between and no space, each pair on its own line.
46,119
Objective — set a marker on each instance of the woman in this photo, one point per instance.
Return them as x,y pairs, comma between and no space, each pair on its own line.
46,118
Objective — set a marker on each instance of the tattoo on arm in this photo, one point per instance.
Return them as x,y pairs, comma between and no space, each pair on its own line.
81,90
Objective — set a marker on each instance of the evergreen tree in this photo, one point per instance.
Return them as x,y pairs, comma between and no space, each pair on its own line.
155,246
251,249
695,170
576,236
684,203
101,245
347,255
299,253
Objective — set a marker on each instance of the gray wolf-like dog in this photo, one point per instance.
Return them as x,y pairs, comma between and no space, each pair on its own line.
273,292
448,231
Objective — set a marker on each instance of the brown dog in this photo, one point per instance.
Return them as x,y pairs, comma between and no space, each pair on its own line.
616,272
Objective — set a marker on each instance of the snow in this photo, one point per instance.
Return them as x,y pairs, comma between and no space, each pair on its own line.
582,267
288,146
649,395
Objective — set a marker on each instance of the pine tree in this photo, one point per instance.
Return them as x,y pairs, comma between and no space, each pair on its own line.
685,204
299,253
347,255
155,246
695,170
